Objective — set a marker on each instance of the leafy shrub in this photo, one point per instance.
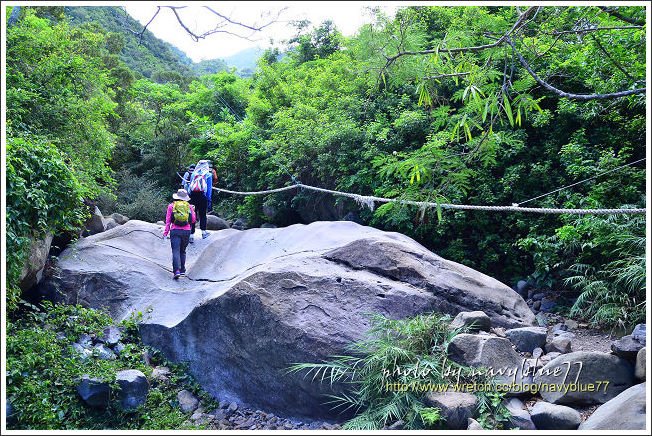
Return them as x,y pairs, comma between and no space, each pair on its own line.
418,346
612,291
42,196
140,198
43,372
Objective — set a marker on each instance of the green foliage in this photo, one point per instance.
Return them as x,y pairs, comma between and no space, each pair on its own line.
409,353
43,372
43,196
147,56
139,197
492,412
612,290
58,87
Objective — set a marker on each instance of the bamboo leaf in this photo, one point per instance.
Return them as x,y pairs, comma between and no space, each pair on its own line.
508,110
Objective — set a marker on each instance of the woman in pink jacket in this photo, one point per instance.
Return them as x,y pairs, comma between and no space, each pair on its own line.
178,221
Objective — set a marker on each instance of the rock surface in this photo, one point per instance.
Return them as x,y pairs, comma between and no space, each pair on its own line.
96,223
473,321
548,416
526,339
624,412
455,407
520,416
215,223
32,271
94,392
134,388
639,369
584,368
187,401
627,347
256,301
494,354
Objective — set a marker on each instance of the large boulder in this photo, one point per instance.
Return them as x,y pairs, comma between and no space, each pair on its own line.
254,302
584,377
32,271
624,412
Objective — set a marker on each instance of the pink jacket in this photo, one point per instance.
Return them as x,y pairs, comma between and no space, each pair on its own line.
169,223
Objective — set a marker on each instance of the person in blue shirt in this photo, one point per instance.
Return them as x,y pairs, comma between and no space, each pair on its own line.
200,189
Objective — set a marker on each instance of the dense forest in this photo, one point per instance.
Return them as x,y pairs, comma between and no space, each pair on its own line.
465,105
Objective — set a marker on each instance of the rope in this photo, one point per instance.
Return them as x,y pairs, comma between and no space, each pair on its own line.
369,201
270,191
582,181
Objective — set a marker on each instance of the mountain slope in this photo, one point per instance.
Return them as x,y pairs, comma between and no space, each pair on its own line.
148,57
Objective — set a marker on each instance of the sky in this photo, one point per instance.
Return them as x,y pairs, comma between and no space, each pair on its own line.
347,16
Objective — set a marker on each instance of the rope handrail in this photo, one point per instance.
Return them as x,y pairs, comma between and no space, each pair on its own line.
369,201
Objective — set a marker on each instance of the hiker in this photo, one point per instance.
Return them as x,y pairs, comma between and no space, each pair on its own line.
178,220
186,178
209,207
200,189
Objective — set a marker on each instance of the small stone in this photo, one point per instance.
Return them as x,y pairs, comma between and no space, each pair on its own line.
563,334
548,416
559,345
455,407
547,305
572,325
147,357
134,388
103,352
187,401
398,425
626,347
160,374
639,333
119,348
526,339
85,341
537,352
219,414
542,319
94,392
80,351
233,406
111,335
473,425
520,417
